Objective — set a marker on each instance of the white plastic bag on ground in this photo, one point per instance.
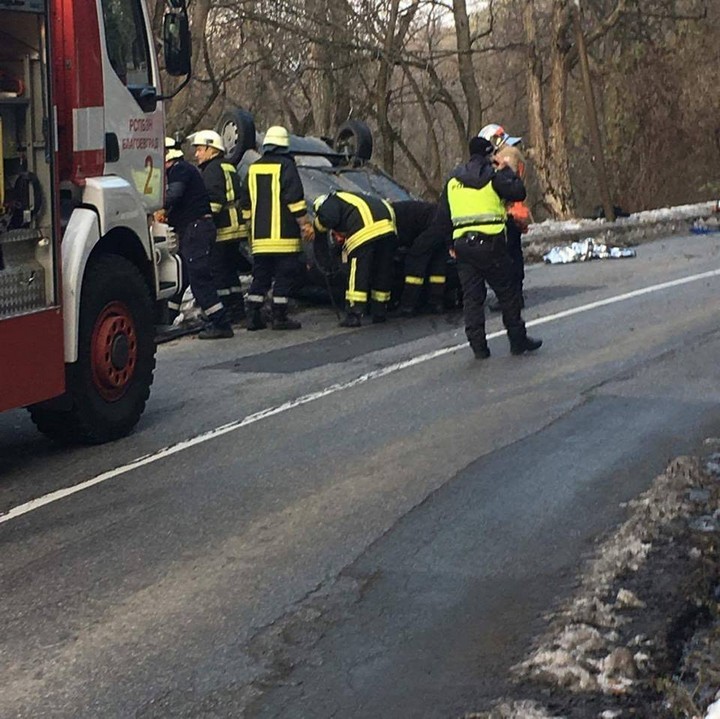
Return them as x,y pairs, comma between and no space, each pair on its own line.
585,250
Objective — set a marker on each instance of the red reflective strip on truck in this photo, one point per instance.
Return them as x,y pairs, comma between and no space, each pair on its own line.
33,365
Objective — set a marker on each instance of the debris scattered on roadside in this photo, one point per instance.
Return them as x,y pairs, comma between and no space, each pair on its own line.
704,225
585,250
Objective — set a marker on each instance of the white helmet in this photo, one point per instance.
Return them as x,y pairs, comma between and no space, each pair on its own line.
318,202
207,138
497,136
277,135
172,150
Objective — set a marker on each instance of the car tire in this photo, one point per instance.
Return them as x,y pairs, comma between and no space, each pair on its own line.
237,129
354,140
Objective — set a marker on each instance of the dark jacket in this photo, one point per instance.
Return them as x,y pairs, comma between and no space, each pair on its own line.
224,186
273,199
415,218
344,212
476,173
411,218
186,198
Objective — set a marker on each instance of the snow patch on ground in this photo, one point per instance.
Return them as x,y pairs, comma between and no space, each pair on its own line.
582,652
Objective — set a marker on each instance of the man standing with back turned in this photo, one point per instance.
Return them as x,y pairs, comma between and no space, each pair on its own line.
474,200
273,201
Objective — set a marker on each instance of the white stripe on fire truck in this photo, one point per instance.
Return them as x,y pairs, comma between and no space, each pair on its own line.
88,128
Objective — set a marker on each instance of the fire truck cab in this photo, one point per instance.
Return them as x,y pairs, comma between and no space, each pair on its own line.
82,265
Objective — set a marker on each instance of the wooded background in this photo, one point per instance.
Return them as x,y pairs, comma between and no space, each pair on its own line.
427,75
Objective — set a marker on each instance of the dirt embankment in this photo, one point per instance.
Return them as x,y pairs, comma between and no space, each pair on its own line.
641,636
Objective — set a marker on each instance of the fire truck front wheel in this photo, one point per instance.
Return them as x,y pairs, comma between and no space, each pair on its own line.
110,382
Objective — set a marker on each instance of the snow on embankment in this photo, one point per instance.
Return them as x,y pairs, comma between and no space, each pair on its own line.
635,229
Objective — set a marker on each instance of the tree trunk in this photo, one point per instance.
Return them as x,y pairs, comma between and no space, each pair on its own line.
321,85
549,148
466,69
382,89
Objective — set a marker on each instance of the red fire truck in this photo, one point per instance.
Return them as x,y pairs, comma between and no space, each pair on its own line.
82,266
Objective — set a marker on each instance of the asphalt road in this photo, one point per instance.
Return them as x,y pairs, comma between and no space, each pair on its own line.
362,523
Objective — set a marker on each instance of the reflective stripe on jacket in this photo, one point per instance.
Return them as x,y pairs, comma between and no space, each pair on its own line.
273,201
362,218
475,209
223,185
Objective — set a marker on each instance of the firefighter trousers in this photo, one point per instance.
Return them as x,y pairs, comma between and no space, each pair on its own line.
279,271
224,261
426,260
480,259
196,245
370,276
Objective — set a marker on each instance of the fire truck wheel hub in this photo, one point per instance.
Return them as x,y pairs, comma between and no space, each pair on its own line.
120,352
114,351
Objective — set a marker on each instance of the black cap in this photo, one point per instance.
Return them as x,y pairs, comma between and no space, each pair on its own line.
480,146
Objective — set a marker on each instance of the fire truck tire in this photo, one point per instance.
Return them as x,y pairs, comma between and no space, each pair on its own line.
109,384
237,129
354,140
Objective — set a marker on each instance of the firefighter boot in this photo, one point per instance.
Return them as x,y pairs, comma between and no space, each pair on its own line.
280,319
236,307
436,300
480,349
255,319
378,310
217,327
520,342
352,319
409,300
216,332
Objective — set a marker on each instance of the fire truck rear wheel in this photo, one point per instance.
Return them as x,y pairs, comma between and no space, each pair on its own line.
110,382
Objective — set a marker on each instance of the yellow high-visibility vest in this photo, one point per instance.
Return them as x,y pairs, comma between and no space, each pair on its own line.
475,210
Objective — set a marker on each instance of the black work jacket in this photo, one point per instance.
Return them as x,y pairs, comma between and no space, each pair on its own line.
186,197
272,200
224,186
361,218
477,173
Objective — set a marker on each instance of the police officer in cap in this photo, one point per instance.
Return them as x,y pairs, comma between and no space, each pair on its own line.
474,200
187,210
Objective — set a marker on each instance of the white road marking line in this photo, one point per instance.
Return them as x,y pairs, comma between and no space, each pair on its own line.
313,396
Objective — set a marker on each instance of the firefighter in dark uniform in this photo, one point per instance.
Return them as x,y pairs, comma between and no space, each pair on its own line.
223,185
474,200
273,200
187,211
419,228
368,225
